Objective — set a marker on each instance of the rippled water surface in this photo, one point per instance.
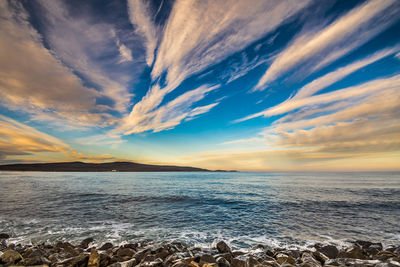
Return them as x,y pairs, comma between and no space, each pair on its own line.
242,208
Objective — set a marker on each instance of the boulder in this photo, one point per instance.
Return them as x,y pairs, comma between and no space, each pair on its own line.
94,259
222,247
270,263
10,256
238,263
206,258
282,258
85,242
251,262
330,251
354,252
222,262
309,261
104,260
79,261
193,264
322,258
128,263
352,262
121,252
4,236
106,246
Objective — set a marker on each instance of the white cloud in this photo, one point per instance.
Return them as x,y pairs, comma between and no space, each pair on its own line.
125,52
81,43
34,81
169,115
18,140
335,40
199,34
140,16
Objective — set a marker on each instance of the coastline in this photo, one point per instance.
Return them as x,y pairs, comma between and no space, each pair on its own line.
177,254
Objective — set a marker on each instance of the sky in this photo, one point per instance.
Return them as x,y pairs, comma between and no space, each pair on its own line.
294,85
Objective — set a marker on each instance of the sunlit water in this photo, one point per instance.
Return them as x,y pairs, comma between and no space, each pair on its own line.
245,209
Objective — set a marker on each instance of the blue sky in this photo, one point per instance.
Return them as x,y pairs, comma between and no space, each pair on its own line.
247,85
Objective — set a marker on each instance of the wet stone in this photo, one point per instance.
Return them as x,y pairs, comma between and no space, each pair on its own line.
222,247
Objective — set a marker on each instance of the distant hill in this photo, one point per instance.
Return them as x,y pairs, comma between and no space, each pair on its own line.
98,167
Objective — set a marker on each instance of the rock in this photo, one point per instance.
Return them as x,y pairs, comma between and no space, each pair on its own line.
222,262
206,258
223,247
251,262
352,262
104,260
282,258
237,253
10,256
79,261
35,260
140,255
163,254
270,263
193,264
322,258
85,242
384,255
328,250
128,263
4,236
106,246
121,252
210,265
94,259
388,264
238,263
308,260
354,252
227,256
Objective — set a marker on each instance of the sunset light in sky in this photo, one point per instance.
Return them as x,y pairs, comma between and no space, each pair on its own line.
220,84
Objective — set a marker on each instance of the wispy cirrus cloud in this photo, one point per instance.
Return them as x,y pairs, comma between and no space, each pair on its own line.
34,81
323,82
198,35
333,41
141,17
18,140
169,115
81,43
357,122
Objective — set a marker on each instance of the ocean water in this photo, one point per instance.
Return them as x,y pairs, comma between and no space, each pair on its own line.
244,209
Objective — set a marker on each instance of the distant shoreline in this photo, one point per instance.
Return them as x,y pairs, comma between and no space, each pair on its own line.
101,167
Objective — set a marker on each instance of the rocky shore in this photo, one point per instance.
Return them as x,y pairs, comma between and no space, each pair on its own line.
176,254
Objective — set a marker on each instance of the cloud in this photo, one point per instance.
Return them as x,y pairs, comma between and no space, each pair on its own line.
140,16
199,34
34,81
167,116
82,43
18,140
334,41
125,52
356,124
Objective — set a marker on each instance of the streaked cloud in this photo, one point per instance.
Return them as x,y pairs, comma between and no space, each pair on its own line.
299,99
18,140
169,115
141,17
33,80
81,44
200,34
335,40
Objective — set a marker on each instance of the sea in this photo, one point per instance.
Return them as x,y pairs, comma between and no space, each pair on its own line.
245,209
